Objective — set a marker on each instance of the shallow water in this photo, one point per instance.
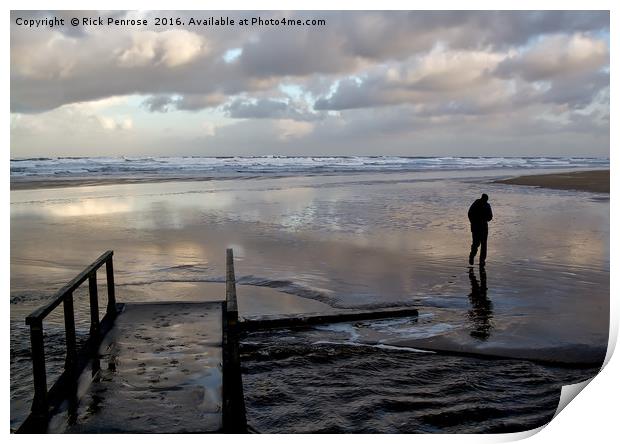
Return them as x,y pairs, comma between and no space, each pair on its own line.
346,241
304,387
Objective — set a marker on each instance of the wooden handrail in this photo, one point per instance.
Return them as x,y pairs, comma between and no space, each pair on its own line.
41,313
75,359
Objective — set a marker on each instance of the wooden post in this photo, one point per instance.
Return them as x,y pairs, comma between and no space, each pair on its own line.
39,402
231,288
94,320
234,405
109,270
94,306
71,358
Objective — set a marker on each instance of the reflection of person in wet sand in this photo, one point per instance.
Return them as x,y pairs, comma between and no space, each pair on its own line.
479,215
481,311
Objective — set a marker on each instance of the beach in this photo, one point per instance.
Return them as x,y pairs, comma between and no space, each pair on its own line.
594,181
320,243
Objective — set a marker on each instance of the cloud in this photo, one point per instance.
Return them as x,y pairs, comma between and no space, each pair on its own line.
292,129
63,66
109,123
170,48
561,70
158,103
265,108
258,109
190,102
441,77
414,78
576,91
557,56
195,102
209,128
77,118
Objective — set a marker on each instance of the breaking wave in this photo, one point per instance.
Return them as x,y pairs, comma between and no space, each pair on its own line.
213,167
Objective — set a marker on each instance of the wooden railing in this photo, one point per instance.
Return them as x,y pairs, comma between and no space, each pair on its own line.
75,360
45,402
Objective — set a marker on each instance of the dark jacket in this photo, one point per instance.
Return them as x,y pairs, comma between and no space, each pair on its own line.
479,214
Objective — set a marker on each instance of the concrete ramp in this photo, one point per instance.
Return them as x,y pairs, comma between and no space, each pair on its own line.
161,372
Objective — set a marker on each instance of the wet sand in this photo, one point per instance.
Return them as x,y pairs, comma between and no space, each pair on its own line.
593,181
34,183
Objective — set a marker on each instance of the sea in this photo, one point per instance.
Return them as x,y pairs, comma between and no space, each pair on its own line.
217,167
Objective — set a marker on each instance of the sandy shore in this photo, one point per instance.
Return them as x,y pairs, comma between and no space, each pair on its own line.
86,182
594,181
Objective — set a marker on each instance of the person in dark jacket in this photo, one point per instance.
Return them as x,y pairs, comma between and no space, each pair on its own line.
479,215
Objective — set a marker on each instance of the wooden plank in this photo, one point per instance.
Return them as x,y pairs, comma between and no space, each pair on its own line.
270,322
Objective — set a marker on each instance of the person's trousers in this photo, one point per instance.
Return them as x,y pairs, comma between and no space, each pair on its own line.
479,239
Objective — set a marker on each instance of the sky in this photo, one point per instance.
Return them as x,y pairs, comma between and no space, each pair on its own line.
420,83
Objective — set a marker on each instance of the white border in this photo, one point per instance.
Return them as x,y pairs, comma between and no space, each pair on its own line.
591,417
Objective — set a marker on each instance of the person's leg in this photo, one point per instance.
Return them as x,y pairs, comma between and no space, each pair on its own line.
483,246
475,241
